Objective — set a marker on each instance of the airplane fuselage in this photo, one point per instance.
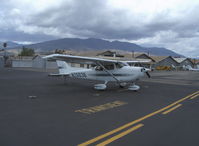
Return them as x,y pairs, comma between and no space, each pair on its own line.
127,73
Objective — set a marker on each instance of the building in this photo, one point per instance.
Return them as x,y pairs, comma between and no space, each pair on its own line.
38,62
6,57
164,62
110,54
1,62
33,62
196,63
25,61
183,62
145,57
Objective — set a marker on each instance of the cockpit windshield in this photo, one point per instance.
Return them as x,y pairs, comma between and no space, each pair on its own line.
120,64
112,66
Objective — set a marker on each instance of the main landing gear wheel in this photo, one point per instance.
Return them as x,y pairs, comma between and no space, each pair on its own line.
134,87
100,86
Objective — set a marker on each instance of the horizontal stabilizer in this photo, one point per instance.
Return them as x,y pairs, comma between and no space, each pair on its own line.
57,75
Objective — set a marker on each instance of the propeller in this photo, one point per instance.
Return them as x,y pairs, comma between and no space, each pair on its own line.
146,71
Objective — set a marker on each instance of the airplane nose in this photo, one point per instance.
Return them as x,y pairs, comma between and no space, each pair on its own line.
145,71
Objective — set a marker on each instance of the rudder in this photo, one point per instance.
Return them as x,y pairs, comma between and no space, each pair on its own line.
63,67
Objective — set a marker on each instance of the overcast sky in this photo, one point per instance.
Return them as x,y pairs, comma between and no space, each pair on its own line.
173,24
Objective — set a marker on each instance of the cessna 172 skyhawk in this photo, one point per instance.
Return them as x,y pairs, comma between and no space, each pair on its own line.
104,70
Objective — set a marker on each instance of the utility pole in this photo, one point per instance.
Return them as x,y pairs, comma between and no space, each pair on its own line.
148,53
4,45
5,56
133,55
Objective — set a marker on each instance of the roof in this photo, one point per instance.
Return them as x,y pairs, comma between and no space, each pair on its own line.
179,60
23,58
40,56
144,55
159,58
110,53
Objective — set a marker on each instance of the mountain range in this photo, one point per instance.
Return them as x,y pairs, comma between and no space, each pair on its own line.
10,44
89,44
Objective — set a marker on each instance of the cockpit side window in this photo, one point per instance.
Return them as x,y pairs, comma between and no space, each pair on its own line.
98,68
120,64
109,66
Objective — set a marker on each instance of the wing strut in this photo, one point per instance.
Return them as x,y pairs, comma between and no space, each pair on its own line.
108,72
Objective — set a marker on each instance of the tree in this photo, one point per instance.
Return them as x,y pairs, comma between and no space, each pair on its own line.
57,51
27,52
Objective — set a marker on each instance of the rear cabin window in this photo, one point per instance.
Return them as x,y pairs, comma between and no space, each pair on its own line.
82,65
109,67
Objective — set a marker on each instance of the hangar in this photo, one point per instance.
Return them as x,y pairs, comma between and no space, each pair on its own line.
164,62
25,61
145,57
196,63
184,62
33,62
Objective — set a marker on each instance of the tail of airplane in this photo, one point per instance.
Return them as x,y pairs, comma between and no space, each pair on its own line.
64,68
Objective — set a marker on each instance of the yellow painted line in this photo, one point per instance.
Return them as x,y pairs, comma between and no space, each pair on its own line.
172,109
102,107
135,121
120,135
194,96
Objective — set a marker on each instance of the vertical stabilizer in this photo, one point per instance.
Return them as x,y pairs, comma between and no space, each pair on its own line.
64,68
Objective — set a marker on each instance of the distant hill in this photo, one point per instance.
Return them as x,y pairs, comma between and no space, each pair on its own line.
96,44
9,44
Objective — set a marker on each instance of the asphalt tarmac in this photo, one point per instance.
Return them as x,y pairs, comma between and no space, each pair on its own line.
37,110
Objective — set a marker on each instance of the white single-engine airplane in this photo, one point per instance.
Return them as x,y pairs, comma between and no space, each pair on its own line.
104,70
188,67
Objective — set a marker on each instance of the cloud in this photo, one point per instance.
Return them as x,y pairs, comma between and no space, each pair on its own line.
171,24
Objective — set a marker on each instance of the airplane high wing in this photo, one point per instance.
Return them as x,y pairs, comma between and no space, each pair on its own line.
86,60
78,59
105,70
